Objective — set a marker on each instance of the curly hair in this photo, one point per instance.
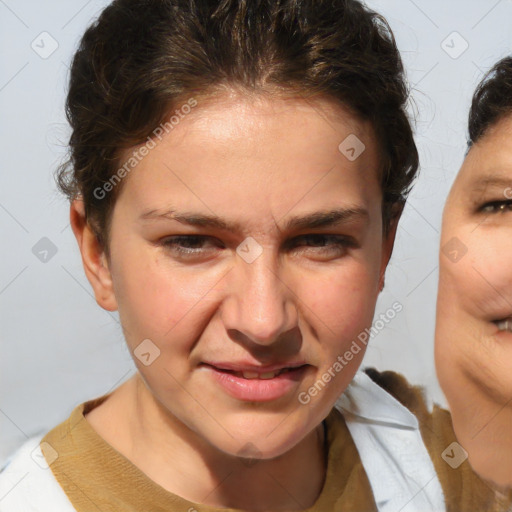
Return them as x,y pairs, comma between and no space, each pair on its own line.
142,58
491,101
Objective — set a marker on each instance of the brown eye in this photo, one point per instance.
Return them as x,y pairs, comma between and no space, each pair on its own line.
328,245
187,245
497,207
319,240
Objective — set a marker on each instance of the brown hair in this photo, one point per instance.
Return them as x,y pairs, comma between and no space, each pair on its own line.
143,58
491,101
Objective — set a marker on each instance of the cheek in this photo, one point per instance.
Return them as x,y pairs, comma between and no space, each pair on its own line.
342,298
472,292
341,305
481,281
154,297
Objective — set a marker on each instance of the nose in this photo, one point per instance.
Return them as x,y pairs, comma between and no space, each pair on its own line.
259,304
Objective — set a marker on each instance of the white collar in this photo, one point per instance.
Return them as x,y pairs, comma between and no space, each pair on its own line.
367,400
389,442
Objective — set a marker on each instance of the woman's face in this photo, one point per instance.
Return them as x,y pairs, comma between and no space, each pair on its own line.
474,310
246,243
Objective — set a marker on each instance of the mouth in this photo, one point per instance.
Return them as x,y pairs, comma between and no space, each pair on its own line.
257,383
504,325
256,374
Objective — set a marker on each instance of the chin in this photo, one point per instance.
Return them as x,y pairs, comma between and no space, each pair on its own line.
260,449
260,438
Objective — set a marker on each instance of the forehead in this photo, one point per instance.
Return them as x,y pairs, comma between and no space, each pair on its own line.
488,163
241,148
248,119
268,109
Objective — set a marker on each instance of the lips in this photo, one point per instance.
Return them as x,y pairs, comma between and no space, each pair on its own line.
254,374
257,383
248,368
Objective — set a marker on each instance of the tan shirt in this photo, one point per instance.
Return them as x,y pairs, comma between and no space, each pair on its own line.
96,477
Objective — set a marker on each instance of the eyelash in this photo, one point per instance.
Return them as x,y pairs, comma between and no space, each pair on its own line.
495,207
173,243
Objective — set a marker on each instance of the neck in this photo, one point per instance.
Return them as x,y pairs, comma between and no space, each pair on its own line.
202,474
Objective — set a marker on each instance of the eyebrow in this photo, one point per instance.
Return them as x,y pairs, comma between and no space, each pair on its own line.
319,219
493,180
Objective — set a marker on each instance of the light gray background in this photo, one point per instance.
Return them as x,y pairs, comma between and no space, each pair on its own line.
58,347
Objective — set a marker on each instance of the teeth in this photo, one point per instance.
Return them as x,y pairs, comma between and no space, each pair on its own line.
256,375
268,375
250,375
505,325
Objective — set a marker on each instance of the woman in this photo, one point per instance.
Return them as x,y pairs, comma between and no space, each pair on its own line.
237,173
474,309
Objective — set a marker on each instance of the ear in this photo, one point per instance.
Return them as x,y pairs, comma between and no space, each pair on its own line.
388,240
93,257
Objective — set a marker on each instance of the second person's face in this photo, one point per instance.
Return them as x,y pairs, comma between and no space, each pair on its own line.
474,310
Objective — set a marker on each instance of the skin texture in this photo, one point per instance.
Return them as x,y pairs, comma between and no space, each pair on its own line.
259,162
473,358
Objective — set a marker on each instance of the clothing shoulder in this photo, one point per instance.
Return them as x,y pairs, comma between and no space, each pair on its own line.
394,455
462,488
27,483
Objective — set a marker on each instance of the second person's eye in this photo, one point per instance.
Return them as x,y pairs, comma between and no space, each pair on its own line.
497,207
